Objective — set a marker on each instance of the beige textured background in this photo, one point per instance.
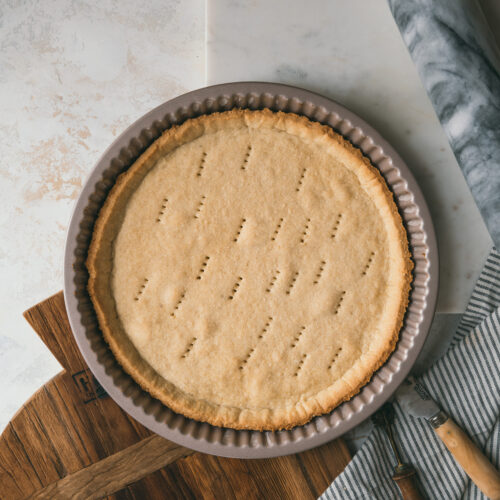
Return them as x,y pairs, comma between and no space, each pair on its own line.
73,75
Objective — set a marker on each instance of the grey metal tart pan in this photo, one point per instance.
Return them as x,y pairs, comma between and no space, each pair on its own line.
201,436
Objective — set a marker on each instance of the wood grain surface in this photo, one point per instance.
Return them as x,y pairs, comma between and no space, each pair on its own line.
70,440
471,458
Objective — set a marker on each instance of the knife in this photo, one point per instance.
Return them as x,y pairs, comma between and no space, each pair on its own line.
415,400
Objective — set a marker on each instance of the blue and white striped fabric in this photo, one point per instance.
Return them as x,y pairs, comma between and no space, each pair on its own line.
466,384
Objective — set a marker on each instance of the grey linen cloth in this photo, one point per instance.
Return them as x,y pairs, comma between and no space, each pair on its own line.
465,382
458,65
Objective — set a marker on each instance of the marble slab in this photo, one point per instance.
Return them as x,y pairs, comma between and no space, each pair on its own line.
352,51
73,75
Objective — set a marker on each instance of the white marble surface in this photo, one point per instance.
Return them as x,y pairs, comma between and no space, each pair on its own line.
73,75
351,50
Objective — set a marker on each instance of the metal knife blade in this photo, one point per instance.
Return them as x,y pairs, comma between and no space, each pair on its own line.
415,400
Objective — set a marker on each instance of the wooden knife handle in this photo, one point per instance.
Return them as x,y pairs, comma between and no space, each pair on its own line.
406,479
471,458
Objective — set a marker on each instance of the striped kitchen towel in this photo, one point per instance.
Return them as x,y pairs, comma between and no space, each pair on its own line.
465,382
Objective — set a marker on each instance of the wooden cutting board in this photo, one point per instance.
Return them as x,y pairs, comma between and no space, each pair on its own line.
71,440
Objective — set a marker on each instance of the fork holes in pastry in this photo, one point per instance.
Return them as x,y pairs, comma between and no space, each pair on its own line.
203,267
247,156
240,228
189,347
247,358
297,337
319,273
202,164
339,302
266,327
336,225
292,282
273,281
335,356
162,209
199,207
301,180
305,231
277,229
178,304
236,286
300,365
368,264
141,289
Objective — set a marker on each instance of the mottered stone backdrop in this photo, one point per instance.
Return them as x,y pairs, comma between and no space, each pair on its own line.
73,75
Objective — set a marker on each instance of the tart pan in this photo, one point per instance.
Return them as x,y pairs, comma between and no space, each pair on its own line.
202,436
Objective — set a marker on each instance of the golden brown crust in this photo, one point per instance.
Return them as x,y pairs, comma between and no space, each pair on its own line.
99,265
